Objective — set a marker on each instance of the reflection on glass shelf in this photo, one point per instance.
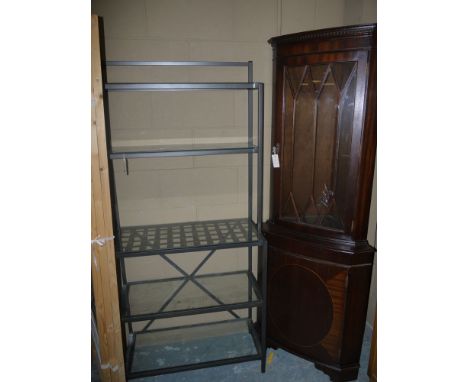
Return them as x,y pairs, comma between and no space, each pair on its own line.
189,236
156,350
174,295
181,149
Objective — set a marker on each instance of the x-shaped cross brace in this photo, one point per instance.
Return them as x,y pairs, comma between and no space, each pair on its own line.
188,277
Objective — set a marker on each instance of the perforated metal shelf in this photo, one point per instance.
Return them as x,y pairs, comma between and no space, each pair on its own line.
186,237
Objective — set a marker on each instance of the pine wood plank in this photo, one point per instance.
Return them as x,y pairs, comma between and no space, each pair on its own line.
103,258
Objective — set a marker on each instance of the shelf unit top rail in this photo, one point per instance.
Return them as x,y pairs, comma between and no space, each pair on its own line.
182,86
178,63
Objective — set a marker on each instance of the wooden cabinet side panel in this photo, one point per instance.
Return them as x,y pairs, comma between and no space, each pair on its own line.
369,144
359,279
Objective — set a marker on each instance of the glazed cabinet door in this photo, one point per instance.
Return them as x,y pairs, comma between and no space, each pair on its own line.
319,122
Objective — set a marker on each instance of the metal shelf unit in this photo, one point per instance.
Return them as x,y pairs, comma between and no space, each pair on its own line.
192,294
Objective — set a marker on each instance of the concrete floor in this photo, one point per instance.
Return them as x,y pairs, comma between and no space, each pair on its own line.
283,367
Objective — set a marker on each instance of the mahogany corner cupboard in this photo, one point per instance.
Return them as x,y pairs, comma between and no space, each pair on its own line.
324,131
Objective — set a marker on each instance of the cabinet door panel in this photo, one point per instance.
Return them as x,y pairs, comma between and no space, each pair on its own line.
306,301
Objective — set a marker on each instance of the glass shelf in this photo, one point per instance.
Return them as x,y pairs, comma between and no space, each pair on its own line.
155,151
182,296
189,347
187,237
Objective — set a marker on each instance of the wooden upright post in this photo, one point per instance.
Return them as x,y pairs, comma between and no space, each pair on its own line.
103,257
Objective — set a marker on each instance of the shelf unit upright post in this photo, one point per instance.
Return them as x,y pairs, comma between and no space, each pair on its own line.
165,239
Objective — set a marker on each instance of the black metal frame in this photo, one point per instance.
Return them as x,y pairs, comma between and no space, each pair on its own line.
252,236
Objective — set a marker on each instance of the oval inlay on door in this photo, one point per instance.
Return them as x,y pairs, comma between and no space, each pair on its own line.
301,324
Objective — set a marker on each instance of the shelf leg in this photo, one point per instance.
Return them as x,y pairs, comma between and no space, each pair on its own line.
250,281
250,171
264,306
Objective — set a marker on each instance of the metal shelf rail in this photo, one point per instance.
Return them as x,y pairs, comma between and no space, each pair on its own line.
214,292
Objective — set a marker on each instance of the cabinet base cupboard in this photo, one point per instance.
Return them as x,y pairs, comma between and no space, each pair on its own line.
324,132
